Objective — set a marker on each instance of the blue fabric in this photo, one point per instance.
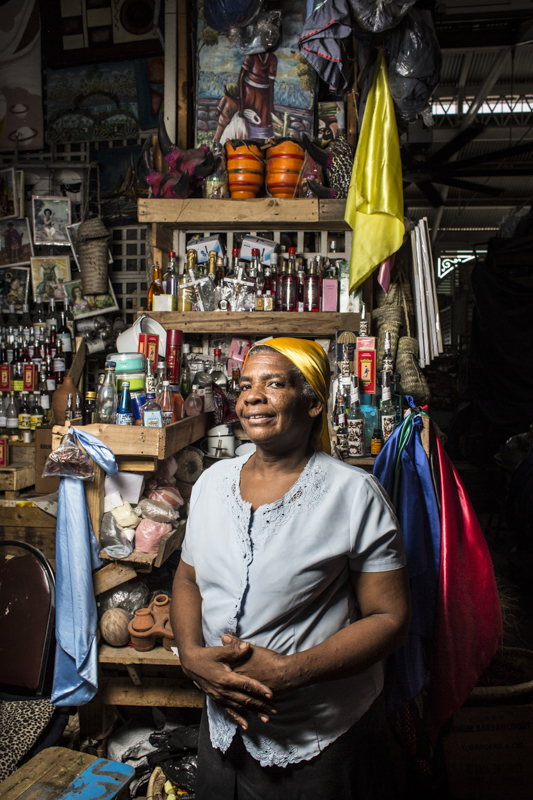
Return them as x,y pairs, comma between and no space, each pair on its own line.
418,515
76,662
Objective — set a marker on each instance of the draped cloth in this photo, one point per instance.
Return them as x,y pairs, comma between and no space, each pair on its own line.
311,360
76,662
374,207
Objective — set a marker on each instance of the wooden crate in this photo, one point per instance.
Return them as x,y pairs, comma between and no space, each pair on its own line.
31,525
17,477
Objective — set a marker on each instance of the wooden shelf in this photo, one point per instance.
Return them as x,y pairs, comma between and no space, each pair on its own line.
144,562
323,323
128,655
16,477
136,440
257,214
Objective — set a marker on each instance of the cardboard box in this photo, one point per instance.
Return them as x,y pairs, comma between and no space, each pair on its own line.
29,377
489,753
265,246
204,246
43,448
366,370
4,451
6,373
149,345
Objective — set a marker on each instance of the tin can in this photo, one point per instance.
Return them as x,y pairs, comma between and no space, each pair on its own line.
138,399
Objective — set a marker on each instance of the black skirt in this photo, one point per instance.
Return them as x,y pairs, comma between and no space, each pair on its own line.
354,767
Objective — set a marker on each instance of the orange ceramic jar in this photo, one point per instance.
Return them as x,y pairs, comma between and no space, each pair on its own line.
284,164
246,168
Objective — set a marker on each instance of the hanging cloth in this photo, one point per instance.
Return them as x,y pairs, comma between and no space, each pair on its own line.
403,470
76,662
374,208
323,43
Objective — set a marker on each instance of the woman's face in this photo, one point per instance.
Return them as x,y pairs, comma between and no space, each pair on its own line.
271,407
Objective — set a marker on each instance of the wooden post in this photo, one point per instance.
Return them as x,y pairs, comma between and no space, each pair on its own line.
94,496
182,88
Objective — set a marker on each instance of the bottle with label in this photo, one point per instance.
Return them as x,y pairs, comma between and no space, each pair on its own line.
185,372
151,379
12,414
44,396
165,403
52,318
170,278
39,319
18,377
219,275
69,411
125,408
24,416
106,404
356,424
376,443
69,317
160,376
185,295
346,366
36,411
177,403
280,278
289,285
387,411
3,409
271,278
151,414
89,408
268,301
388,364
341,425
173,355
203,381
156,287
301,278
212,266
78,414
25,322
312,288
363,321
194,404
259,301
64,336
218,373
59,365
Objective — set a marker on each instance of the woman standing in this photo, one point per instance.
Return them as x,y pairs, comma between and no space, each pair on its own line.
290,591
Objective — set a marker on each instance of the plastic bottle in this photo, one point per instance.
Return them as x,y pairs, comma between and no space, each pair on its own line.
151,412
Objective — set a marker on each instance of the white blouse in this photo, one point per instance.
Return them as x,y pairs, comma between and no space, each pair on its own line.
279,578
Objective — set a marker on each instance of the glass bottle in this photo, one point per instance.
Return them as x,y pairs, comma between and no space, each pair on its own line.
388,364
25,322
363,321
280,278
356,424
12,317
219,275
215,185
79,411
39,319
300,301
151,379
12,414
185,291
268,301
218,373
160,376
376,443
36,412
59,365
106,404
273,274
156,287
203,380
341,426
345,365
89,408
387,411
170,278
125,408
165,402
69,411
65,337
177,404
151,416
18,377
69,317
3,409
289,285
235,378
52,318
24,416
259,301
212,266
185,372
44,395
312,288
193,405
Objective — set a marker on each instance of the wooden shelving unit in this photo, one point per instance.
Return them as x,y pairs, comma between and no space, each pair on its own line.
257,322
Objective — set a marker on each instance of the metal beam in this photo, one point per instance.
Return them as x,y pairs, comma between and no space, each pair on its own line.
465,69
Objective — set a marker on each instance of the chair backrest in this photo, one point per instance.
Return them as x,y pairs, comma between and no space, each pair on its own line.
27,617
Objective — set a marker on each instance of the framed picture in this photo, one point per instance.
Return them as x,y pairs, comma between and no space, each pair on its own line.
16,246
8,194
49,276
89,305
51,215
19,191
14,286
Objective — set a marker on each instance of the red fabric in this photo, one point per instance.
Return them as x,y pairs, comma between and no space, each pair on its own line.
468,625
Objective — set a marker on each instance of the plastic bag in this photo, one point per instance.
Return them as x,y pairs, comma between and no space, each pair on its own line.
313,171
165,494
68,461
125,516
415,62
381,15
130,596
156,511
113,539
260,36
166,470
148,535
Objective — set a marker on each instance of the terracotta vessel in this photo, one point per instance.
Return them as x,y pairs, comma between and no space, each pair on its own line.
60,399
246,168
284,165
151,624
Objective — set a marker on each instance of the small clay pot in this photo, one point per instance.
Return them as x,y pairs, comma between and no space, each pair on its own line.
143,620
152,623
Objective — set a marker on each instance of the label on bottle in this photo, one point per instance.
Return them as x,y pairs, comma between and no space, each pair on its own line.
259,302
363,327
375,446
59,365
289,294
12,422
3,421
342,441
268,303
24,420
387,425
345,369
173,363
36,421
356,437
51,384
39,326
206,393
66,342
153,419
45,402
166,417
300,305
125,419
18,385
386,393
311,293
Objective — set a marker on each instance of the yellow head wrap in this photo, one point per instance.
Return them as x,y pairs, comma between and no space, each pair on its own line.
313,363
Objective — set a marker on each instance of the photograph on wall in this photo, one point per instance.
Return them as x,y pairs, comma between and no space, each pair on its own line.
254,95
16,246
89,305
93,102
49,276
21,76
56,182
14,286
51,215
8,194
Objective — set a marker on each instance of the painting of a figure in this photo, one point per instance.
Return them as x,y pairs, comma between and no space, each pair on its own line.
253,95
15,242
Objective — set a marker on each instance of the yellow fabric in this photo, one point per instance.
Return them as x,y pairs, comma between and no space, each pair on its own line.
313,363
374,207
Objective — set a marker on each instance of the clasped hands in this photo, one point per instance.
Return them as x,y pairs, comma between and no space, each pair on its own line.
240,677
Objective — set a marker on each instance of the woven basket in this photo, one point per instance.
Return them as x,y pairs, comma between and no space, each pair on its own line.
507,692
387,318
412,378
93,239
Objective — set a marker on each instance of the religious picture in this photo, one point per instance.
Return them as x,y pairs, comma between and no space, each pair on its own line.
49,276
89,305
8,194
51,215
16,246
14,285
254,95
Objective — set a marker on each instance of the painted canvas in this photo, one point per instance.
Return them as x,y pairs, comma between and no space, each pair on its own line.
89,305
48,277
14,285
90,103
273,91
8,194
21,102
16,246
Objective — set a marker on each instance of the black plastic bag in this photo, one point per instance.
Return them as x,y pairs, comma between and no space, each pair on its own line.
379,16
